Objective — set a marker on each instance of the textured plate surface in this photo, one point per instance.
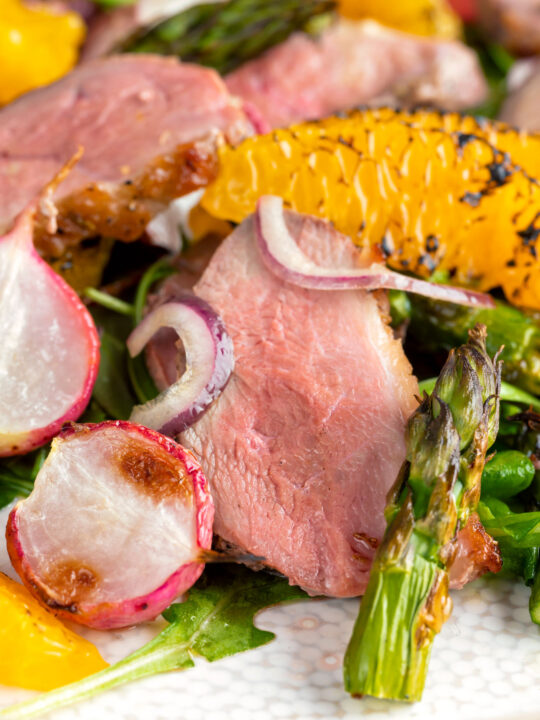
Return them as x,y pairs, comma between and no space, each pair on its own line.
485,664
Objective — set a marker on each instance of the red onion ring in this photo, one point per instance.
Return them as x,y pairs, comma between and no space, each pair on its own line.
285,259
209,363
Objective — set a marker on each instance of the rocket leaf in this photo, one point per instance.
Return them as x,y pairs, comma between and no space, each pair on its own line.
215,621
17,474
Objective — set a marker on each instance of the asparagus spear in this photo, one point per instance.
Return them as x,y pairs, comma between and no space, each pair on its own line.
407,600
442,325
225,35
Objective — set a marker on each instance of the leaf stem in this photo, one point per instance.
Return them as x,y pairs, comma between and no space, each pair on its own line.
147,661
159,270
109,301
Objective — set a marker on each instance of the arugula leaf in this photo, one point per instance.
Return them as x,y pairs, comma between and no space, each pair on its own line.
141,380
112,390
496,63
158,271
517,530
17,474
109,301
215,621
12,487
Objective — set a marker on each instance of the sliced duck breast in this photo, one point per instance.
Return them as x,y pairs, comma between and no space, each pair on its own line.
301,447
357,63
124,111
522,105
304,443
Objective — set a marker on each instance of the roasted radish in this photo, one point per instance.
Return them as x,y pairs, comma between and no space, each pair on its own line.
49,353
115,527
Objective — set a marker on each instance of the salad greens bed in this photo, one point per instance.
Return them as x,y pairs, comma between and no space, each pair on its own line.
217,618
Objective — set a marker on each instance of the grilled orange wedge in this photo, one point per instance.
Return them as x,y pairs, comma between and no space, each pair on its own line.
421,17
36,650
430,191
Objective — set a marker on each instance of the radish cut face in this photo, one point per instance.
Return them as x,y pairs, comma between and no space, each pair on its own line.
49,353
113,529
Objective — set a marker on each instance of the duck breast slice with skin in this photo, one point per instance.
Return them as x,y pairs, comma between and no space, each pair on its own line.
512,23
303,444
307,438
521,107
357,63
153,104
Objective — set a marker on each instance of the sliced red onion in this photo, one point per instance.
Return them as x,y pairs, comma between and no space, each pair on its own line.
285,259
209,363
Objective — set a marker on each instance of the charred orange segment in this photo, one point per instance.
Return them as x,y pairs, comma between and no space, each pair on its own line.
431,192
36,650
522,147
421,17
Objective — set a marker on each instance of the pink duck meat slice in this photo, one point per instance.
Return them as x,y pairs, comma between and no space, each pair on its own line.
353,64
123,110
476,554
304,442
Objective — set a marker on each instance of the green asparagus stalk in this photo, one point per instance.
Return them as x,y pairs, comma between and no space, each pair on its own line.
225,35
407,599
443,326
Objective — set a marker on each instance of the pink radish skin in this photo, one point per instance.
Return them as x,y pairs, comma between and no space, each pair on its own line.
71,327
131,610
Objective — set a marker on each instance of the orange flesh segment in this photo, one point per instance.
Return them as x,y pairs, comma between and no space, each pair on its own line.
420,17
37,651
429,190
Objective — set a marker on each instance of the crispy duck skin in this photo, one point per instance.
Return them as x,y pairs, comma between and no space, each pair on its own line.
122,210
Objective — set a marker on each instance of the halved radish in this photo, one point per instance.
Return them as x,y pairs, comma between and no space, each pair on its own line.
49,354
114,528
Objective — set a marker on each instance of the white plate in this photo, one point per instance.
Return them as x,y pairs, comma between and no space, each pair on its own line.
485,664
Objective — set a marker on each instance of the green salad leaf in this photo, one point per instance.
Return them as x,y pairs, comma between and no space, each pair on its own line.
111,4
496,63
17,474
518,530
214,622
112,390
